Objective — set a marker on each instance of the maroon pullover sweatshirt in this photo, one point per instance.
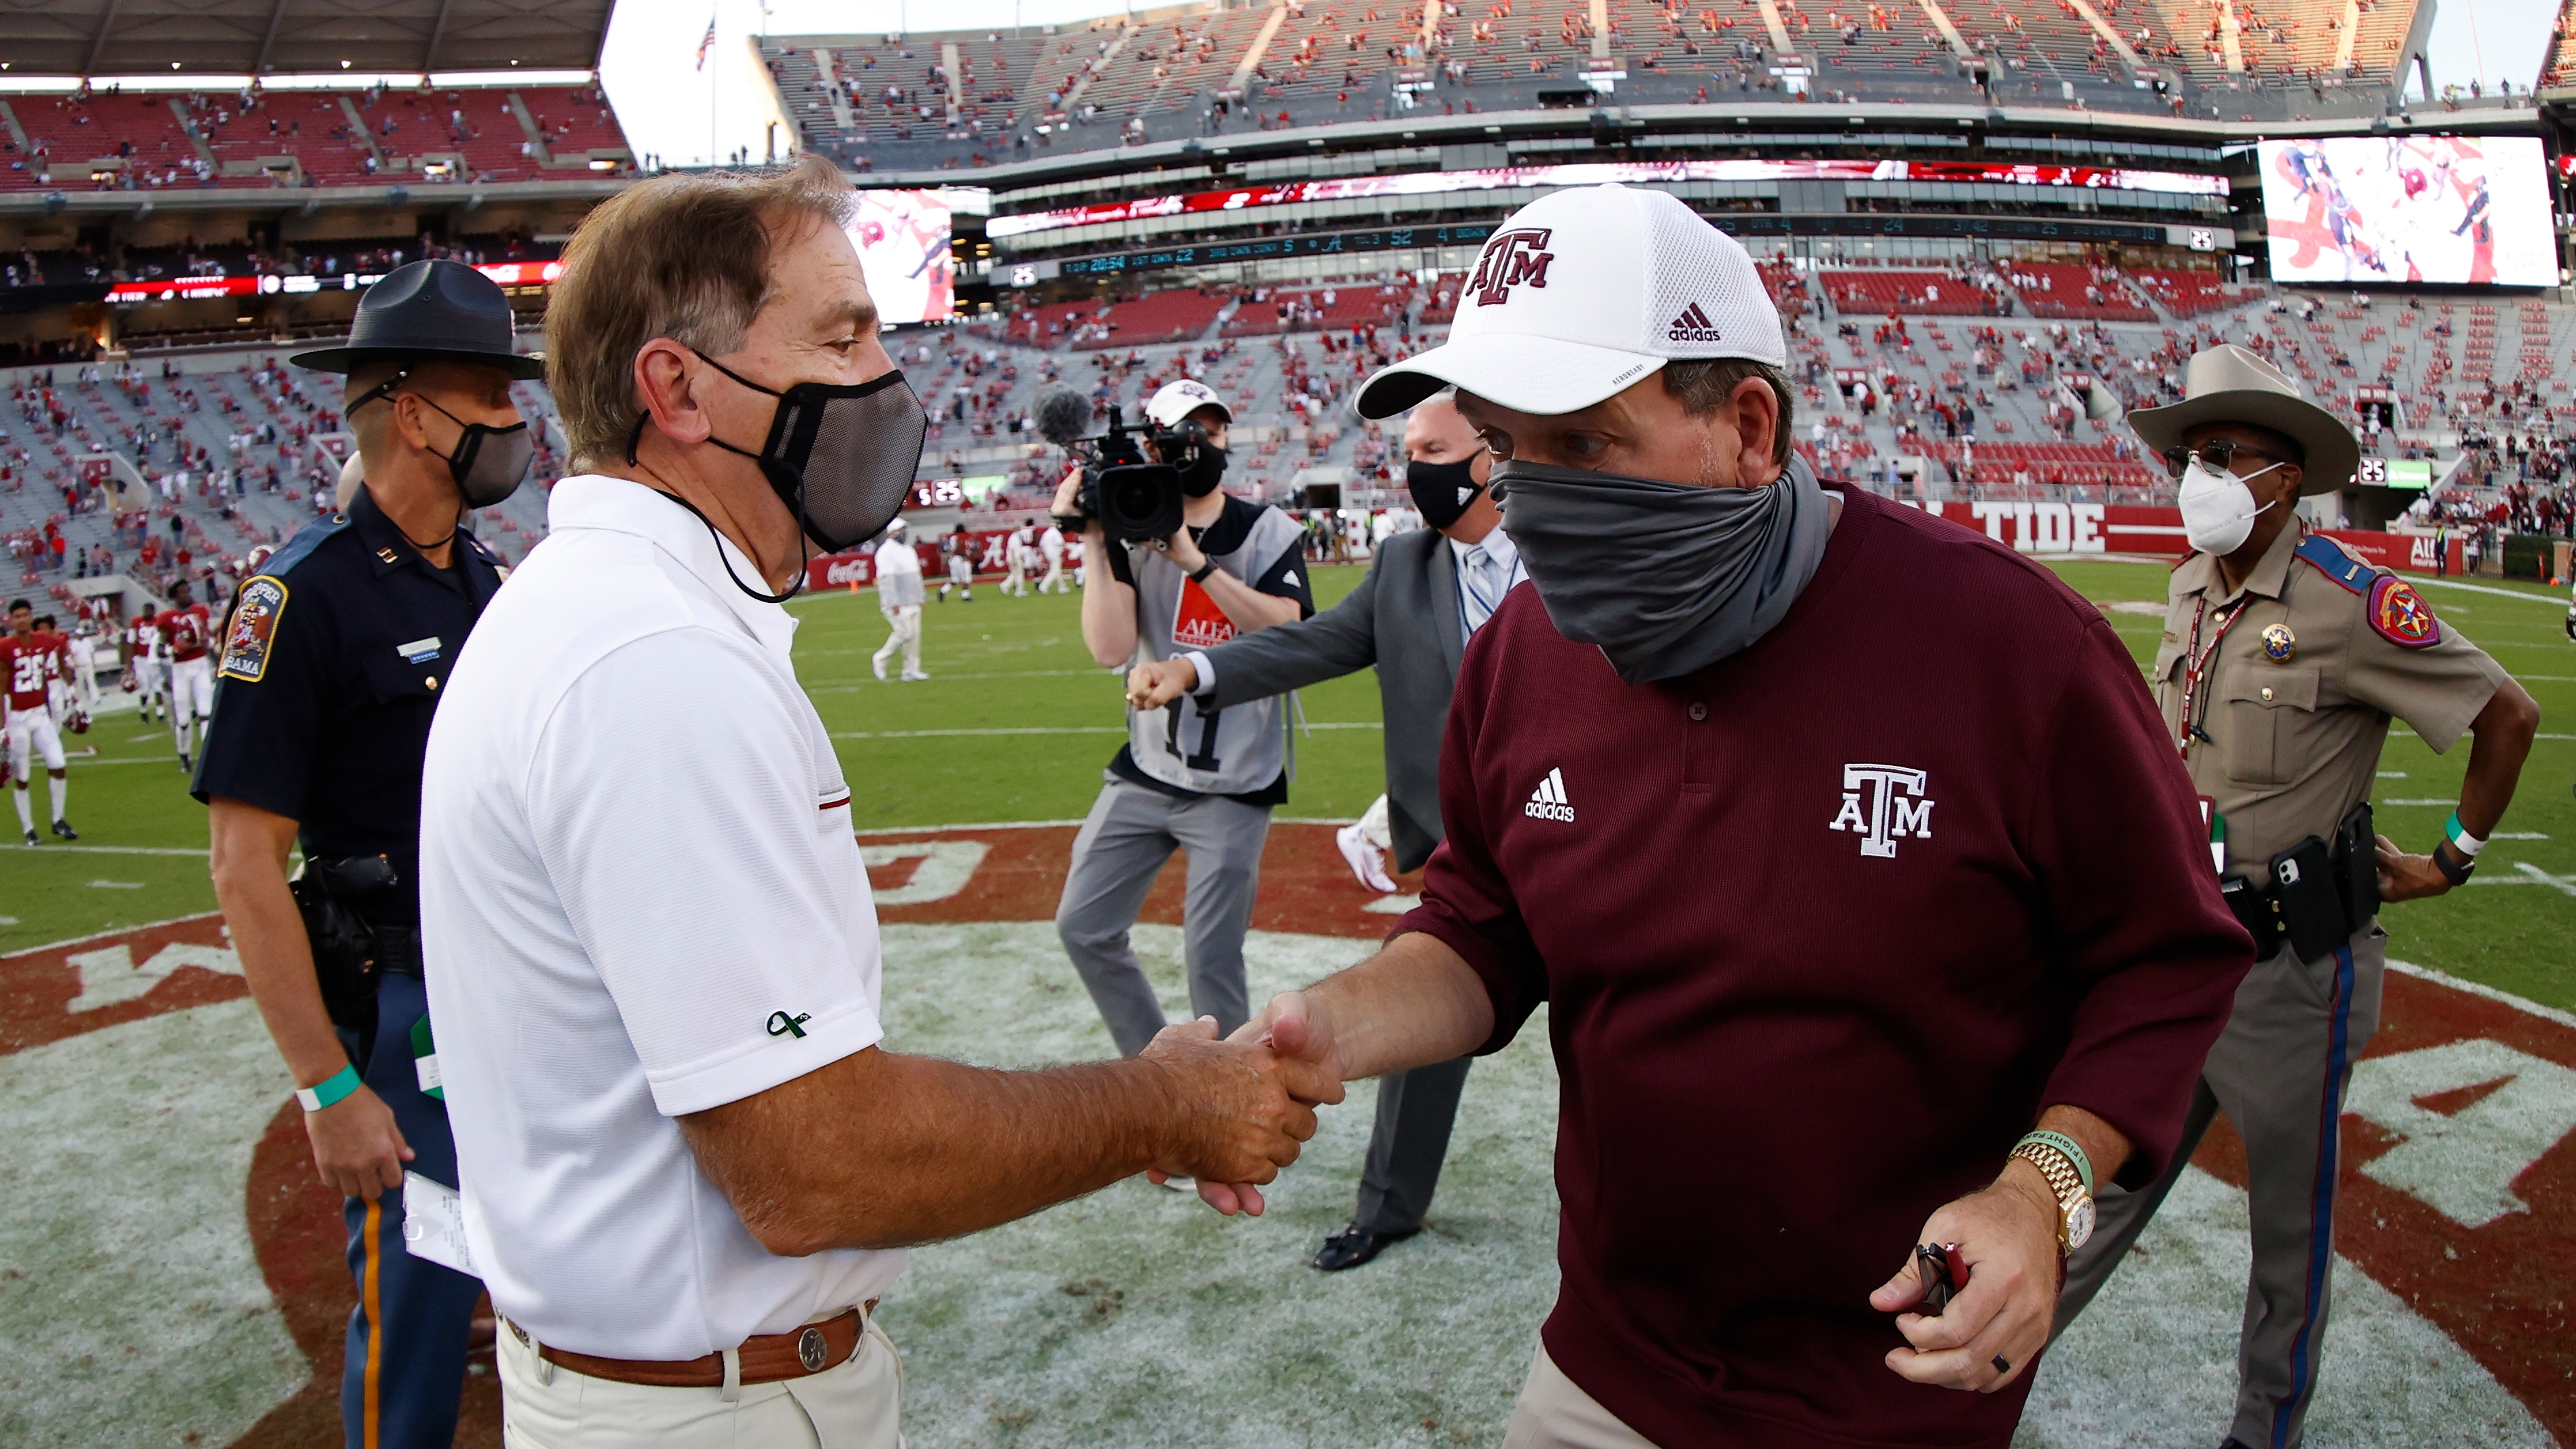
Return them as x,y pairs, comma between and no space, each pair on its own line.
1821,929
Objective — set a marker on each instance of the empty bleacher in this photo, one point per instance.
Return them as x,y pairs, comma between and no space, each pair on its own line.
2060,289
1895,292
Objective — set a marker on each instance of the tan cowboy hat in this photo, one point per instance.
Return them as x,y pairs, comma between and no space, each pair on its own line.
2227,384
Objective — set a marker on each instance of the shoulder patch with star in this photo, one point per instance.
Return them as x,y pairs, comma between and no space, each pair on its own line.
2401,616
254,625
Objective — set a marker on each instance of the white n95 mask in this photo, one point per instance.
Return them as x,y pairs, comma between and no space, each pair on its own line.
2218,510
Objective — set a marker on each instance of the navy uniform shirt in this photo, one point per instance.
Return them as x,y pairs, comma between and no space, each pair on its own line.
332,664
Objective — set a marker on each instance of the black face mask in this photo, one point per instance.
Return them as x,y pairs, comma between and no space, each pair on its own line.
486,477
840,457
1202,477
1442,491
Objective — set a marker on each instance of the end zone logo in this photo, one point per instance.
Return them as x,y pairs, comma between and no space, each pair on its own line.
1511,258
1693,326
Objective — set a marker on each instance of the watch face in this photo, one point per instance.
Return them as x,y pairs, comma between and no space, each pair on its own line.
2079,1223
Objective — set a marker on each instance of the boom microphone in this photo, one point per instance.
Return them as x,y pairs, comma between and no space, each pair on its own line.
1061,414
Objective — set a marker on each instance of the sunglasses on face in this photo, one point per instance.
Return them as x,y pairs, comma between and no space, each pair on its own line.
2217,453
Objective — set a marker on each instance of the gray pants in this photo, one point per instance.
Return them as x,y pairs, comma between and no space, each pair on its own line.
1415,1111
1122,847
2278,1071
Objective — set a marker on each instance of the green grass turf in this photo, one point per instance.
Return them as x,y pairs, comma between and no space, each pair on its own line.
1017,666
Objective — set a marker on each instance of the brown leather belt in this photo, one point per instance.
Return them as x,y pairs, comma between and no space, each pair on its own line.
767,1359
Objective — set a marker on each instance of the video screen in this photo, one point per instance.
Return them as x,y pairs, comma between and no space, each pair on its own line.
902,237
2397,209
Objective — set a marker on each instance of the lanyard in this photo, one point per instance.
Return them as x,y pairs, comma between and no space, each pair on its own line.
2195,663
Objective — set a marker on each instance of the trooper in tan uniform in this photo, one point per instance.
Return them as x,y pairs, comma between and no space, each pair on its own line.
2283,659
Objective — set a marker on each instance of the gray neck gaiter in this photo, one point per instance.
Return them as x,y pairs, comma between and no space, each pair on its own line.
1666,578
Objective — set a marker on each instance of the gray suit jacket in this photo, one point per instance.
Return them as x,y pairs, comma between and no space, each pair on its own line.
1403,618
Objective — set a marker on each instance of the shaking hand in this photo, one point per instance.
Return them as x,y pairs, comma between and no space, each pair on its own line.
1239,1120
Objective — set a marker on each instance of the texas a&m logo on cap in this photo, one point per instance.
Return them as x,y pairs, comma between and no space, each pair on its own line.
1509,259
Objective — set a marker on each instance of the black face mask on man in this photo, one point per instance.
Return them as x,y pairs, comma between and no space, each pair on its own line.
840,456
484,476
1666,578
489,463
1442,492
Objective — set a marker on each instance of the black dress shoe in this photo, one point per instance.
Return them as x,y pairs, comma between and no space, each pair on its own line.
1353,1246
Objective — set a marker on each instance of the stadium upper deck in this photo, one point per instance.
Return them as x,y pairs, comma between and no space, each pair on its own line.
944,100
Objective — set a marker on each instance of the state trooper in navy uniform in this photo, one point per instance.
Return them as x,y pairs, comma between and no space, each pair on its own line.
332,662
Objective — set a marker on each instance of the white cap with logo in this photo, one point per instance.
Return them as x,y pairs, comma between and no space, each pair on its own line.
1178,400
1581,293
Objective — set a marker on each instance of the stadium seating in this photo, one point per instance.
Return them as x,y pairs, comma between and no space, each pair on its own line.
2187,294
2057,289
150,140
1894,292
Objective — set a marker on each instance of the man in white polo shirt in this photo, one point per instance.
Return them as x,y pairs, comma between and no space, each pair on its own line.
687,1164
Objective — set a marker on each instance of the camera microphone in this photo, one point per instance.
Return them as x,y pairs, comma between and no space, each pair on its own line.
1061,414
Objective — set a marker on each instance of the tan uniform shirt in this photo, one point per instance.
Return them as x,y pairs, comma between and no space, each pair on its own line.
2296,697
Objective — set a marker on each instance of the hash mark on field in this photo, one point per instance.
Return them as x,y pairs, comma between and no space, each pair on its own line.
116,885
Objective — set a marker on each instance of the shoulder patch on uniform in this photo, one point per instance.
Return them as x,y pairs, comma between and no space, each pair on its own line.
2330,559
2400,614
308,538
255,616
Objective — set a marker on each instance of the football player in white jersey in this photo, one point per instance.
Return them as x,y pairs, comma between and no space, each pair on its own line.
141,641
29,665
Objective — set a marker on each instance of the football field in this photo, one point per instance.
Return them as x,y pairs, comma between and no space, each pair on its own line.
168,1267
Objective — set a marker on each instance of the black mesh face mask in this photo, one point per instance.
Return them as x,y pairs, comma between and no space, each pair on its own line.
840,457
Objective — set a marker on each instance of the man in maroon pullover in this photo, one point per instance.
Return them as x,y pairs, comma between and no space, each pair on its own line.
1868,902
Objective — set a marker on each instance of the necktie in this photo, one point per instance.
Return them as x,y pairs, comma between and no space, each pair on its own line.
1484,590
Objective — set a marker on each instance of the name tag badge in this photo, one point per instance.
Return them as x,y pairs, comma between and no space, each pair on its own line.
433,1225
419,651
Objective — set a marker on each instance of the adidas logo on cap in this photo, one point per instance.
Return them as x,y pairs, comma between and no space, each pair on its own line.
1693,326
1548,801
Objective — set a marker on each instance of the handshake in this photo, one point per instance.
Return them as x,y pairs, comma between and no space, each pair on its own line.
1243,1105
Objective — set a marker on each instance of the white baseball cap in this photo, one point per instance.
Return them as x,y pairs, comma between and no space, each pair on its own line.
1581,293
1179,399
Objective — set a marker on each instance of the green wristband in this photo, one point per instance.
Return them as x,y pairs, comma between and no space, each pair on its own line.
2074,1153
328,1093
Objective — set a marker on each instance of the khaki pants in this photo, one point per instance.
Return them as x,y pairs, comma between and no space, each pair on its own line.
1555,1414
857,1405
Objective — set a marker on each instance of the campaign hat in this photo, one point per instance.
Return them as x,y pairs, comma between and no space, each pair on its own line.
430,311
2232,384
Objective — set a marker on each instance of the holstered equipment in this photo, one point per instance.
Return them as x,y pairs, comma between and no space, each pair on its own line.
2315,896
349,952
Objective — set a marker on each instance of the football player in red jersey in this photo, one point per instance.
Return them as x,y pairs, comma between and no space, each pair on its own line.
185,629
27,677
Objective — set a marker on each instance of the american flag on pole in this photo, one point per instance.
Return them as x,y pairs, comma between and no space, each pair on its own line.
707,42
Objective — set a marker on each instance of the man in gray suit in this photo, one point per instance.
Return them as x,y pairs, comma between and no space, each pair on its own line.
1425,594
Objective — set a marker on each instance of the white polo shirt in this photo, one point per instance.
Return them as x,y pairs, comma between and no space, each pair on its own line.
640,898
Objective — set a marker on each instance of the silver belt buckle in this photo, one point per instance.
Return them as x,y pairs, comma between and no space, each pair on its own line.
811,1351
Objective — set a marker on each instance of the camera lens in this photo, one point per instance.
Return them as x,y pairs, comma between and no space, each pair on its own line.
1134,498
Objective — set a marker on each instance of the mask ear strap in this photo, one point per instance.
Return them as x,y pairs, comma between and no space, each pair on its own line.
804,559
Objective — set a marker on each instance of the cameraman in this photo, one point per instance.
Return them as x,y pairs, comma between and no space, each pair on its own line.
1199,781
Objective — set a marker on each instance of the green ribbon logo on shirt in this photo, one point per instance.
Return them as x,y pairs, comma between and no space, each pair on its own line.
781,1024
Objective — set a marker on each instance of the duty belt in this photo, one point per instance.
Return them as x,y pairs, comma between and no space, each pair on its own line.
2313,896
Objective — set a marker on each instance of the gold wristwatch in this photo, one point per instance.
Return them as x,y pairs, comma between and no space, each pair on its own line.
2074,1204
